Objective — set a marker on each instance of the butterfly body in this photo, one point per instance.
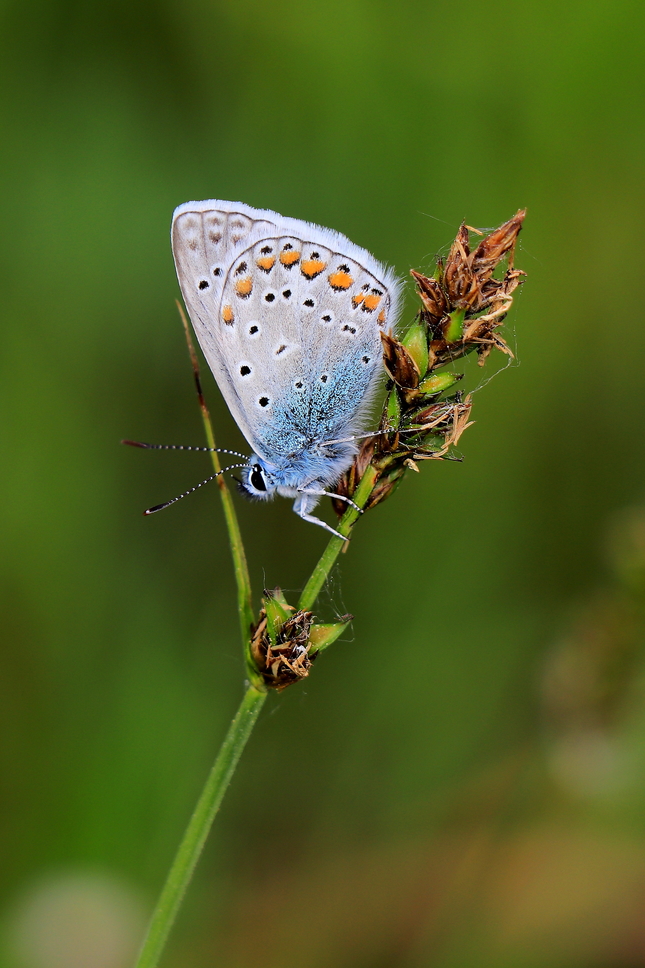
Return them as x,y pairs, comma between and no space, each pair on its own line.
289,317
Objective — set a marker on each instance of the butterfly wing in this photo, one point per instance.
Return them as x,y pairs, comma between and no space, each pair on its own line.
289,316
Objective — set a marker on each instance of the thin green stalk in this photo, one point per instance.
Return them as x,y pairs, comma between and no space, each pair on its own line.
197,831
321,572
242,579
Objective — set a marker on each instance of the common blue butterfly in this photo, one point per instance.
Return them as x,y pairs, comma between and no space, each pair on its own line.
289,316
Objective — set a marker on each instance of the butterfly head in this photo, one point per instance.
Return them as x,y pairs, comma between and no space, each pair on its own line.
257,482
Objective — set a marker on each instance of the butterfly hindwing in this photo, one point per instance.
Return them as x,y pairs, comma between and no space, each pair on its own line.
302,351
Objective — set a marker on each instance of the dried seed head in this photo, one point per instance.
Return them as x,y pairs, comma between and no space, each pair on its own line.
463,307
288,659
465,282
285,642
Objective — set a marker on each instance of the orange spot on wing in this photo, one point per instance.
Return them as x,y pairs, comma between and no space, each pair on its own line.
340,280
243,287
370,303
358,298
266,262
227,315
312,268
289,258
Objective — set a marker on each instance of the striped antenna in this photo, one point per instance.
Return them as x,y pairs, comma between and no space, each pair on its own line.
160,507
376,433
210,450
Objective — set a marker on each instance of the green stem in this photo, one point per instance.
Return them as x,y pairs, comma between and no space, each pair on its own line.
321,572
242,579
197,831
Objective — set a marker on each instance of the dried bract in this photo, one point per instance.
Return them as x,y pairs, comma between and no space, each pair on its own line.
458,278
492,249
398,362
432,296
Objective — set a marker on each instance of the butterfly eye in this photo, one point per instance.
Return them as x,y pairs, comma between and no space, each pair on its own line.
257,478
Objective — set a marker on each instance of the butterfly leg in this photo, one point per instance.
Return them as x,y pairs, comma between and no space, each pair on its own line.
322,524
339,497
300,506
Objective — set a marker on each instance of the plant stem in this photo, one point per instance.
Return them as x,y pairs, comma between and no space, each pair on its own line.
200,823
242,579
321,572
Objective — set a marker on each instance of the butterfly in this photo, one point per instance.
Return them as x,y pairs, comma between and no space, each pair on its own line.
289,317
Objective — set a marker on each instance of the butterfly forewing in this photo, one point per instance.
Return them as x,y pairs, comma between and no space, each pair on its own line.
206,236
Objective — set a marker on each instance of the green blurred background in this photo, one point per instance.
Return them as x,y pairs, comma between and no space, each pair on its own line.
461,782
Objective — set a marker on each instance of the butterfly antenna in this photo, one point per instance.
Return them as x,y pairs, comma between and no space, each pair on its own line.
374,433
160,507
210,450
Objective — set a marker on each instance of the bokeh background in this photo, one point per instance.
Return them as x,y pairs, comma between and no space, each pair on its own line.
461,782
